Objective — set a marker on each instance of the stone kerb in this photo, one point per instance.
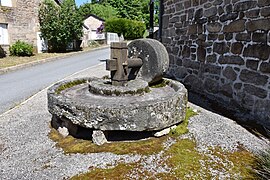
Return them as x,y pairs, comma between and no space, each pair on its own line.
221,48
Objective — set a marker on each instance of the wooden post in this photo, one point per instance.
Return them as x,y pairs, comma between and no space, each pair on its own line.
119,54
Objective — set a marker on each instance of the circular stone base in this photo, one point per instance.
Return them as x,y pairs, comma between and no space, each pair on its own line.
104,87
156,110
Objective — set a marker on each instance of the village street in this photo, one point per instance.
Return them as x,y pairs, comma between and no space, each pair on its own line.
17,86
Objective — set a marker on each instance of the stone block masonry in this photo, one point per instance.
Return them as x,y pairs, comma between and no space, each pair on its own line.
221,48
21,20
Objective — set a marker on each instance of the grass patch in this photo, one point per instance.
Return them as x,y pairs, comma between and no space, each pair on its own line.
73,145
14,61
69,85
188,162
263,165
119,172
182,127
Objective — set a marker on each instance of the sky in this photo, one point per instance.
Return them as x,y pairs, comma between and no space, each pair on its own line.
80,2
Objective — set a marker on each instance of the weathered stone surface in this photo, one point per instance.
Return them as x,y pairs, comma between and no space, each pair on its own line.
237,86
174,19
229,8
265,12
253,77
201,53
164,131
193,82
227,90
259,37
165,21
63,131
265,67
229,73
156,110
98,138
192,29
235,26
221,48
210,12
256,91
212,69
260,24
231,60
237,48
263,3
195,2
258,51
180,72
214,27
220,10
261,109
198,14
243,37
186,52
217,2
212,37
230,16
243,6
211,58
247,100
179,7
228,36
253,13
252,64
211,86
154,56
104,88
191,64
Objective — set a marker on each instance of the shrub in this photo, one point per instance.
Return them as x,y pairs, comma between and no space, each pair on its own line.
21,48
129,28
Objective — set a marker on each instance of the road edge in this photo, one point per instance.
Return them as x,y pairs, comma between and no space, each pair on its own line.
30,64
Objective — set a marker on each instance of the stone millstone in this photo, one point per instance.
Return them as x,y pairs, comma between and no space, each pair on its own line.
155,110
154,56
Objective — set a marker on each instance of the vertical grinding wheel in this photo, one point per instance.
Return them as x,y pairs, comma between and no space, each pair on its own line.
154,56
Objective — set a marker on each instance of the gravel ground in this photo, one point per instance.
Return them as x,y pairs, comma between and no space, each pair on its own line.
26,152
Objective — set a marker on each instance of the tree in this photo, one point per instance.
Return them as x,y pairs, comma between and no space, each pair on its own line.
60,25
103,11
132,9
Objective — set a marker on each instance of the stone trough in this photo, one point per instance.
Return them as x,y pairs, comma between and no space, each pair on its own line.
142,101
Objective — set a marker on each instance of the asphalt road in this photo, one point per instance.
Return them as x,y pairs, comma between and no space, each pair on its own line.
17,86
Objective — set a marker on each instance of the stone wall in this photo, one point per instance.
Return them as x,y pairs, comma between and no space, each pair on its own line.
220,48
22,20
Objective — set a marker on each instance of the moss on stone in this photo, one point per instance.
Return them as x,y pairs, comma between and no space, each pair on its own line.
73,145
69,85
159,84
182,127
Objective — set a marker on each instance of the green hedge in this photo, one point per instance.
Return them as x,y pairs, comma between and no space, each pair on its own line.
21,48
129,28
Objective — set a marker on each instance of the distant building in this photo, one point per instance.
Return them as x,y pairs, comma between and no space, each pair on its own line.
19,21
92,29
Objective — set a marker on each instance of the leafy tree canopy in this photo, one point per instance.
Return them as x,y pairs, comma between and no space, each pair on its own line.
60,25
103,11
131,9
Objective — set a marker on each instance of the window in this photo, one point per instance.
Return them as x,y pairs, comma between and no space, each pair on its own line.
4,34
6,3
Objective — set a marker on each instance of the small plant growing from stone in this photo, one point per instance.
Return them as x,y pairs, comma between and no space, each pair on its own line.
21,48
